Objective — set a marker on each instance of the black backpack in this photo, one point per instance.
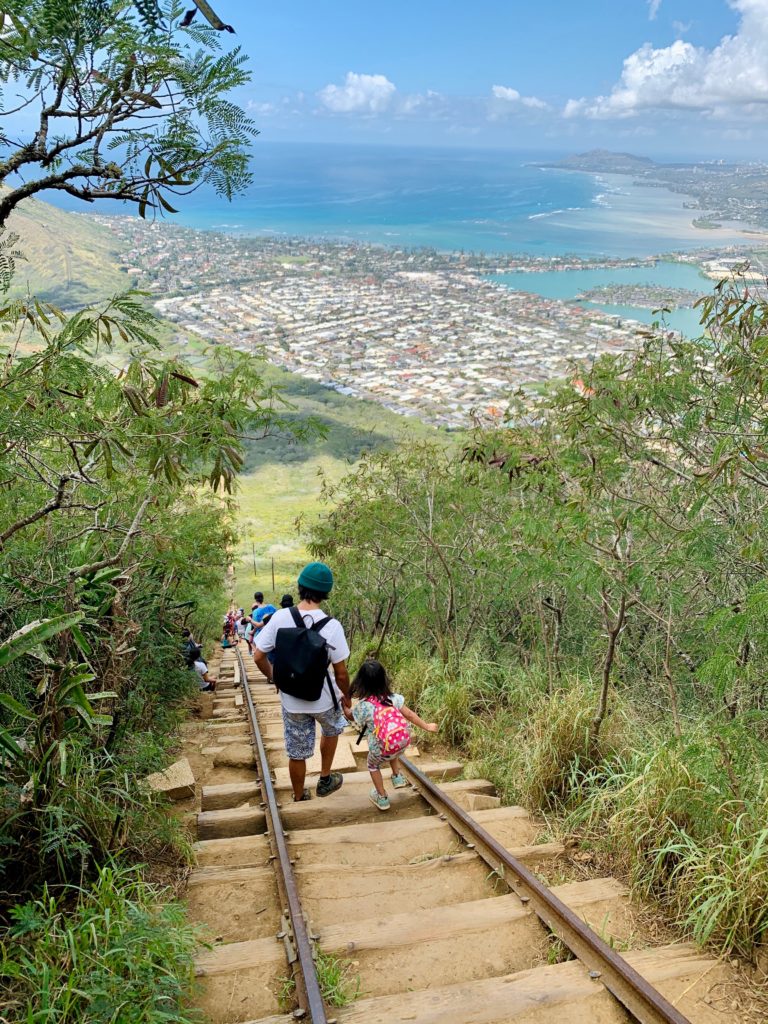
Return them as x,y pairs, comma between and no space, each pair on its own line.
300,668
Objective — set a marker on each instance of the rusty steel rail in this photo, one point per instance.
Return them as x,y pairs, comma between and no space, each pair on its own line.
640,998
310,997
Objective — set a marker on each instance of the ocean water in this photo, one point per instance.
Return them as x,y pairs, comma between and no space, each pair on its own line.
568,284
476,200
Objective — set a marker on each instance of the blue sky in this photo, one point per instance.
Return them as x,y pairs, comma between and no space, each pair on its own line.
662,77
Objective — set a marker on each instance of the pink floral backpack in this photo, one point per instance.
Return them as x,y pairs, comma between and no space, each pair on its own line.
389,727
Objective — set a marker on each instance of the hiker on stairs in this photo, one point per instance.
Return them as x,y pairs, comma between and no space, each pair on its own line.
310,673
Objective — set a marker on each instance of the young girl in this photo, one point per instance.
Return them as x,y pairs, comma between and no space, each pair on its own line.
382,717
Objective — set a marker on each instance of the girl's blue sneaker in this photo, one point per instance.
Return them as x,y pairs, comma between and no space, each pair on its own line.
399,781
382,802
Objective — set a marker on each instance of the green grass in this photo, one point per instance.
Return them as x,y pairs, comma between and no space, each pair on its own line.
70,260
282,480
119,950
338,982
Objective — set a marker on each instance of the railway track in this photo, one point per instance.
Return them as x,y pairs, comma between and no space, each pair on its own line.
436,904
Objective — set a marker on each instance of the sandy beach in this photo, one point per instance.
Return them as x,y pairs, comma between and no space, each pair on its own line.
638,210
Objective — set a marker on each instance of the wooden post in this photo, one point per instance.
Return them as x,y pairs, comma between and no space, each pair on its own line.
273,574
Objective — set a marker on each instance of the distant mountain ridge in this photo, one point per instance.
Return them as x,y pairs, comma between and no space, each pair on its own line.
604,160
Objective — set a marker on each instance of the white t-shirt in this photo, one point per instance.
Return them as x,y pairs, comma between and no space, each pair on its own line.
338,649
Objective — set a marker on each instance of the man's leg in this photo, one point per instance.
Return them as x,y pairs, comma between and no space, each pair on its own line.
332,724
298,772
328,746
299,745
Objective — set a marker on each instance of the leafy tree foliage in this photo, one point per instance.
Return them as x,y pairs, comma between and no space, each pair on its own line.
106,448
126,101
610,539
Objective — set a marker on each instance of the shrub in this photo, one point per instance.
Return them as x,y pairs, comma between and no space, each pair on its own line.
112,952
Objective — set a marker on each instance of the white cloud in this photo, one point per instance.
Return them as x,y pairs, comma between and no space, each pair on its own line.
653,9
426,104
681,76
359,94
508,95
681,27
503,92
264,109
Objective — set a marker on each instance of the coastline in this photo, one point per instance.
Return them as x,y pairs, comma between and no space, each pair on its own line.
458,202
640,210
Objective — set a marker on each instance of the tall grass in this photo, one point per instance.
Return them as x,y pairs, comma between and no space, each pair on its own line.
115,951
688,820
684,819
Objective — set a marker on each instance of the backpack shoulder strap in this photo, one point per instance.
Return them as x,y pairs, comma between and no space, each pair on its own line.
317,626
296,616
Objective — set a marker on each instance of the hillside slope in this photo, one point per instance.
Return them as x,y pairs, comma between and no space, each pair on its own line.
69,258
282,479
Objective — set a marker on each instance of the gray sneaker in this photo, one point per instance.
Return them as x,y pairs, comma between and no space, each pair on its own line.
329,785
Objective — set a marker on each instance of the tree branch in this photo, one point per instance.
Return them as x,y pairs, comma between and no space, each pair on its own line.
56,502
105,563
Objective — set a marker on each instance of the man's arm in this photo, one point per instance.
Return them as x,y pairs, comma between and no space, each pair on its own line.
262,663
342,681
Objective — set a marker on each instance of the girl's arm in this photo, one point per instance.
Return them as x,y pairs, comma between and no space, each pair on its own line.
411,716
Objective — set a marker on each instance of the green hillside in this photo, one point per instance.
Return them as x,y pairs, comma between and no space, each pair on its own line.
69,258
283,479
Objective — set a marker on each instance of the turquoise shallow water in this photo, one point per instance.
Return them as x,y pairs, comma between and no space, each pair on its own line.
473,200
567,284
489,201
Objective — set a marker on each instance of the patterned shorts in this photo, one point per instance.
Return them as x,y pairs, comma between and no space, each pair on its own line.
300,730
376,759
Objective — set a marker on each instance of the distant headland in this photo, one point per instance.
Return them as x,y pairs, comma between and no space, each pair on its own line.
721,191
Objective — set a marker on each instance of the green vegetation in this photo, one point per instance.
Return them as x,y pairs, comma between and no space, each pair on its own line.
284,475
580,599
338,982
54,965
109,545
68,259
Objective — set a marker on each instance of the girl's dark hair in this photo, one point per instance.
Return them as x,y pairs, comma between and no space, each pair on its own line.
371,681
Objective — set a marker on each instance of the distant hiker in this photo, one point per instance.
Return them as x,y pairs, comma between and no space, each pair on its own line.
188,646
383,718
286,601
242,626
258,601
310,672
193,656
250,629
262,617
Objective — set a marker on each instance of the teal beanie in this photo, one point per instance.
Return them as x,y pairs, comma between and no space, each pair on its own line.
316,576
